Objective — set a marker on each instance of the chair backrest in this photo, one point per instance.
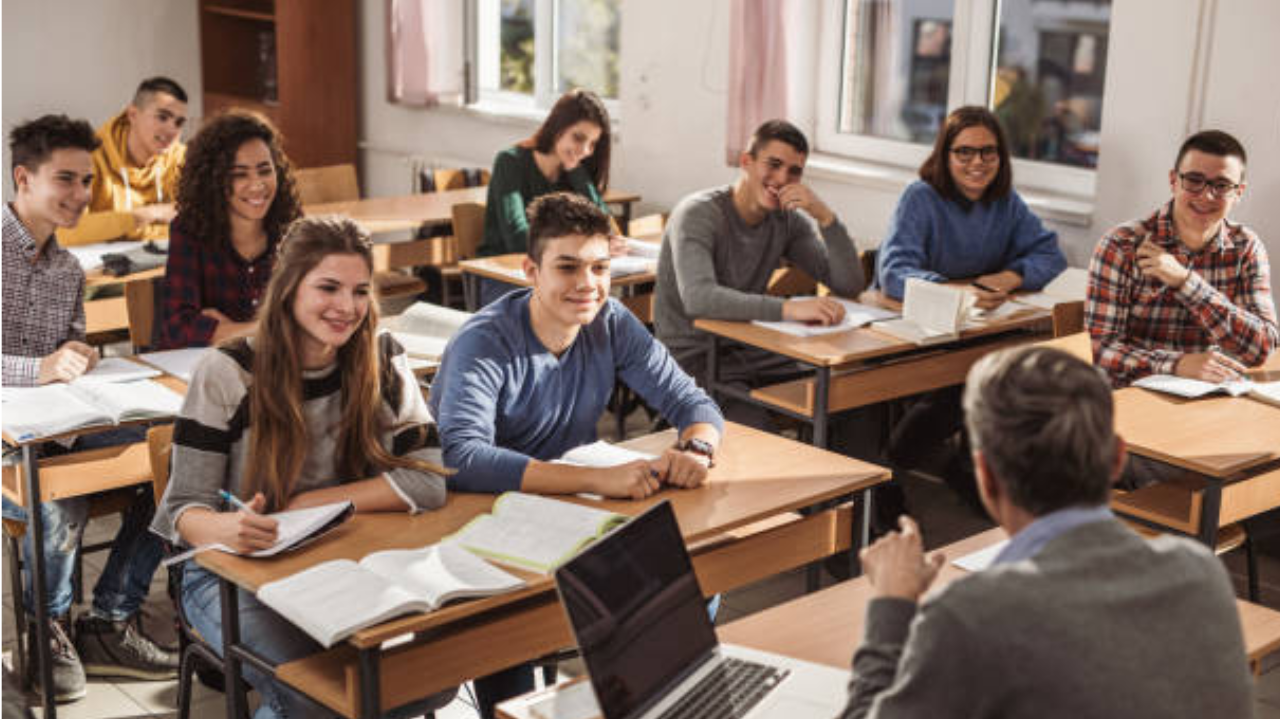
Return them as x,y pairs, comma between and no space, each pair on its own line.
160,448
867,259
1068,318
140,309
791,281
333,183
468,228
457,178
1078,345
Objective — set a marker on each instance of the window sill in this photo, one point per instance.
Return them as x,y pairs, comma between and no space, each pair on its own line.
1049,205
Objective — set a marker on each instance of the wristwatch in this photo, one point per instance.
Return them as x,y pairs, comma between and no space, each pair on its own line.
699,446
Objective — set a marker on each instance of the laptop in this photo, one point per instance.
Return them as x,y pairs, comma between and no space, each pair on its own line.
649,646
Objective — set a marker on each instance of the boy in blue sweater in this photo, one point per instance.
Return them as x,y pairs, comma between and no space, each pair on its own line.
528,378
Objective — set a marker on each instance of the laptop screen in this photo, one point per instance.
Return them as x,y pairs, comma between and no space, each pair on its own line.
637,612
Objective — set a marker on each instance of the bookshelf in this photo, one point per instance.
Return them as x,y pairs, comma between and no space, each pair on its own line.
291,60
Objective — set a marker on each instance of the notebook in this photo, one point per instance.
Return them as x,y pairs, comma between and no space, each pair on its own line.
535,533
641,623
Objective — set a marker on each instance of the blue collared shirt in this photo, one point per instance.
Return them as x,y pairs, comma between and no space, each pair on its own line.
1027,543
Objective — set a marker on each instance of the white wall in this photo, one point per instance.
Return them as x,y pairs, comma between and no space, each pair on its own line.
674,75
85,58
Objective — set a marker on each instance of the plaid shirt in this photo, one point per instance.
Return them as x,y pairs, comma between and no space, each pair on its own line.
199,276
43,301
1140,327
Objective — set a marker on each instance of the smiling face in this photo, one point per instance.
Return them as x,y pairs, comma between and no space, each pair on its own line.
56,192
974,176
156,125
571,281
1197,215
576,143
331,302
774,166
253,181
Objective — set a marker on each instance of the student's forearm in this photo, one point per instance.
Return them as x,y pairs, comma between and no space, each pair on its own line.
368,495
548,478
704,431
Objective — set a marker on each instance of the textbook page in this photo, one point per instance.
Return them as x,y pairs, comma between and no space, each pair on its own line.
34,412
124,401
856,315
643,248
179,363
936,308
335,599
117,369
602,454
630,265
297,526
534,533
440,573
1191,388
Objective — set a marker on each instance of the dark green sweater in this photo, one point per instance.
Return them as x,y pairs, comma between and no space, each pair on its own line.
517,181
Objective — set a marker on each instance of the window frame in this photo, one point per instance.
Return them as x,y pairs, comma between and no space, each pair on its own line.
975,41
485,31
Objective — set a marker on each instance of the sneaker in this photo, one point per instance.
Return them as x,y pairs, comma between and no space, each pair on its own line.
68,673
120,649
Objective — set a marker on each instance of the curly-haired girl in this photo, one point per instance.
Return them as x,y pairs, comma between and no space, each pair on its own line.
235,199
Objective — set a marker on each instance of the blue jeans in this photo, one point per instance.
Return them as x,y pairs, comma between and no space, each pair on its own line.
135,551
273,638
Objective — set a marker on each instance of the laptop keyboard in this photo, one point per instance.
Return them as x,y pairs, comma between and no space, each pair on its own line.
730,690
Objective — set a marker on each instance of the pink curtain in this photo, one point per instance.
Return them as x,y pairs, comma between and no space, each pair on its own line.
425,63
757,69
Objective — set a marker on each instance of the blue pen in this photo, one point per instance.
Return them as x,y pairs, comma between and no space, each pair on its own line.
234,501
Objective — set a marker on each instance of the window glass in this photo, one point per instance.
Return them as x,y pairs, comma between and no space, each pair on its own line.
516,43
587,46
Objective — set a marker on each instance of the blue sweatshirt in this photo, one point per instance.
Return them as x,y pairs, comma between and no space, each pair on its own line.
501,398
937,239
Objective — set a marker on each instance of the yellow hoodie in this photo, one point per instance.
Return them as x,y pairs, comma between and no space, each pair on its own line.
118,187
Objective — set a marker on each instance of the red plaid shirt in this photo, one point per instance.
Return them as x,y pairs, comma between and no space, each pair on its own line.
202,274
1140,327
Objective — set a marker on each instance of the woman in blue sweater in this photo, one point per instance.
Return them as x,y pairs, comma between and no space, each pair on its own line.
962,219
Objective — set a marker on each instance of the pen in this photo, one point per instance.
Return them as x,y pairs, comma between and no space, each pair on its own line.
234,501
985,288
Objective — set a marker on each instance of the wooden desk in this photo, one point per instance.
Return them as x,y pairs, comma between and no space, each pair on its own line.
35,481
510,269
826,627
759,478
1232,443
862,366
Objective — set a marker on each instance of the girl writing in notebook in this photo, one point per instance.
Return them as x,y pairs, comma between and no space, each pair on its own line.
235,199
569,152
312,407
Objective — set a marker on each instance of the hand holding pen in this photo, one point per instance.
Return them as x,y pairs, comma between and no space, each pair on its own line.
248,529
993,290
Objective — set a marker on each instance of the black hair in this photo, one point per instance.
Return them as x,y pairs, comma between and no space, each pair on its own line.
560,214
152,85
779,130
32,142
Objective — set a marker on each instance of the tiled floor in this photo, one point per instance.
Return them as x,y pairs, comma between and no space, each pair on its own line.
942,517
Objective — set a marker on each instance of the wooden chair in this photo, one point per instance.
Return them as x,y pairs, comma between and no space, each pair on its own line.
455,178
468,231
867,258
1068,318
791,281
649,227
333,183
192,648
140,298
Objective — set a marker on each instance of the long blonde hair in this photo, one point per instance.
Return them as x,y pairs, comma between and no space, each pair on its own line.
279,441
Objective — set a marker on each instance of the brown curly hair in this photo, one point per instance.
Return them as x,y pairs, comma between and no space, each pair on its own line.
206,178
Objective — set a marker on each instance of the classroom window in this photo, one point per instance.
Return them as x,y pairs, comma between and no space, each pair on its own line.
528,52
902,64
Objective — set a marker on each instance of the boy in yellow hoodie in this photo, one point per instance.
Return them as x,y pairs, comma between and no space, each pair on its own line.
136,169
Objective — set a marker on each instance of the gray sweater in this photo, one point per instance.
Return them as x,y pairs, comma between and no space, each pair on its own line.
1099,623
713,265
212,432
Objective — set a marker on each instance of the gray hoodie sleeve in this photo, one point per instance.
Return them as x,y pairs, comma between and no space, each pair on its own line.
828,255
692,233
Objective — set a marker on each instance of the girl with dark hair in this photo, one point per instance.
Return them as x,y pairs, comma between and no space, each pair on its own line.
235,199
312,407
963,219
569,152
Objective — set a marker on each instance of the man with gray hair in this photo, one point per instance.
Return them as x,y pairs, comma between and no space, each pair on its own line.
1078,616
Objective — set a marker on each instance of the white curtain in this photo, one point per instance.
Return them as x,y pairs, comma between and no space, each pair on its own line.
757,70
425,52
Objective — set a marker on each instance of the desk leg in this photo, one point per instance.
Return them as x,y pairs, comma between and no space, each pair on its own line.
624,222
863,536
370,684
236,706
35,525
1210,512
821,413
470,291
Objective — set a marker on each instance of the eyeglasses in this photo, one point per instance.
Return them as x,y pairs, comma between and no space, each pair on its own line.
965,153
1195,183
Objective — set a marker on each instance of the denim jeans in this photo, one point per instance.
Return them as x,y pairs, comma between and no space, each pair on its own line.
273,638
135,551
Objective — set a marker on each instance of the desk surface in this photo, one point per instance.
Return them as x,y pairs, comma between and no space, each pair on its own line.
429,208
858,344
509,269
757,475
1215,436
826,627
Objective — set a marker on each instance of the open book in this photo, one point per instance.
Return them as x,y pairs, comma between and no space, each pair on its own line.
294,528
179,363
52,409
856,314
117,369
425,329
933,313
534,532
644,248
1268,392
335,599
631,265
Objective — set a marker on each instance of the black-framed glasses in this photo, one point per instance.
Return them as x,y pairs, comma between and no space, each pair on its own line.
966,153
1195,183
